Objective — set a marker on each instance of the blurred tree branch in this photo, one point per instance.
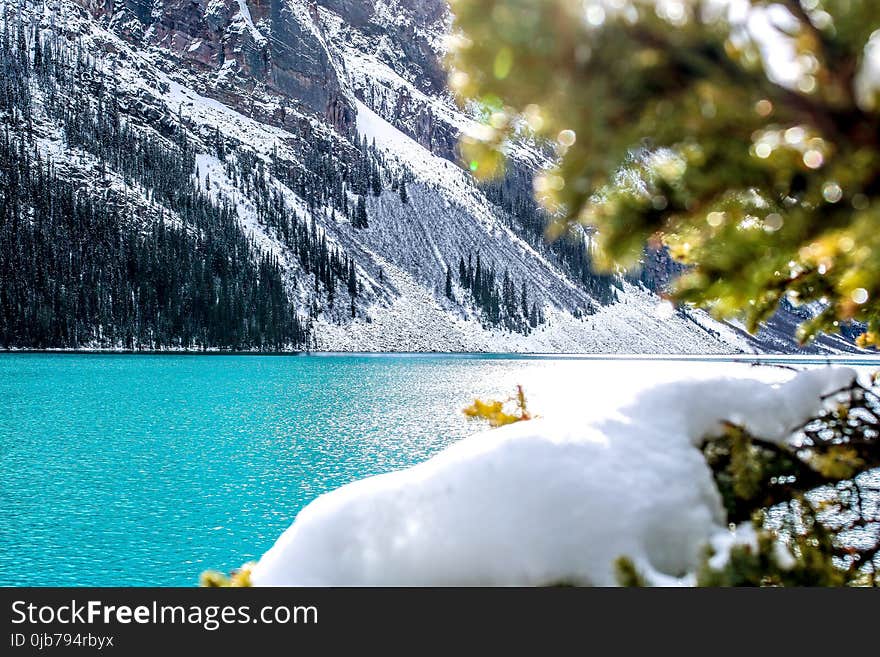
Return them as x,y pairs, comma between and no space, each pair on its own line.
674,126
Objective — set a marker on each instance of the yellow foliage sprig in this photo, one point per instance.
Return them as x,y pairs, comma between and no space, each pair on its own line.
494,412
240,578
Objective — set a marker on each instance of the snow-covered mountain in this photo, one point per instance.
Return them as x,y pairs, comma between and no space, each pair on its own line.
324,132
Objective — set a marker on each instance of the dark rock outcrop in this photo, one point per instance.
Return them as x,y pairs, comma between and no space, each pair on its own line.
276,44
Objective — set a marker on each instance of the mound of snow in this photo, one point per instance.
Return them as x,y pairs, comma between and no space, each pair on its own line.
552,500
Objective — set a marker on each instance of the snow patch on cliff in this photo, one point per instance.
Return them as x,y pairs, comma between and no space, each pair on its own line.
244,16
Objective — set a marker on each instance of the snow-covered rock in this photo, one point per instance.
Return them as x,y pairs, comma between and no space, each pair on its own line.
556,499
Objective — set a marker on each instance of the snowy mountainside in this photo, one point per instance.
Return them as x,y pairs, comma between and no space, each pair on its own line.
325,130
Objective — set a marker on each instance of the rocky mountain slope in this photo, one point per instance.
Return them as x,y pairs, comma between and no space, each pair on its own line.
324,133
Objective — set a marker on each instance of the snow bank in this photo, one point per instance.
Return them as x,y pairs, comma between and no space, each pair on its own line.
556,499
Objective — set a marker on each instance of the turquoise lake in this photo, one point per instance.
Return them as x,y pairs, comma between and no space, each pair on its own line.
125,470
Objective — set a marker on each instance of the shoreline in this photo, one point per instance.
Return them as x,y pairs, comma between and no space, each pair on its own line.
807,359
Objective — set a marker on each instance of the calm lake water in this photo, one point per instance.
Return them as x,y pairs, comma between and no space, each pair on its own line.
123,470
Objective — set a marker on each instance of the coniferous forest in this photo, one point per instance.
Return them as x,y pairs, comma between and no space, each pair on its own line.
573,252
508,306
79,269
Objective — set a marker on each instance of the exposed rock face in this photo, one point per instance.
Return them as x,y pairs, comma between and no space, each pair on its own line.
278,47
408,25
405,36
300,63
356,12
273,44
418,119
